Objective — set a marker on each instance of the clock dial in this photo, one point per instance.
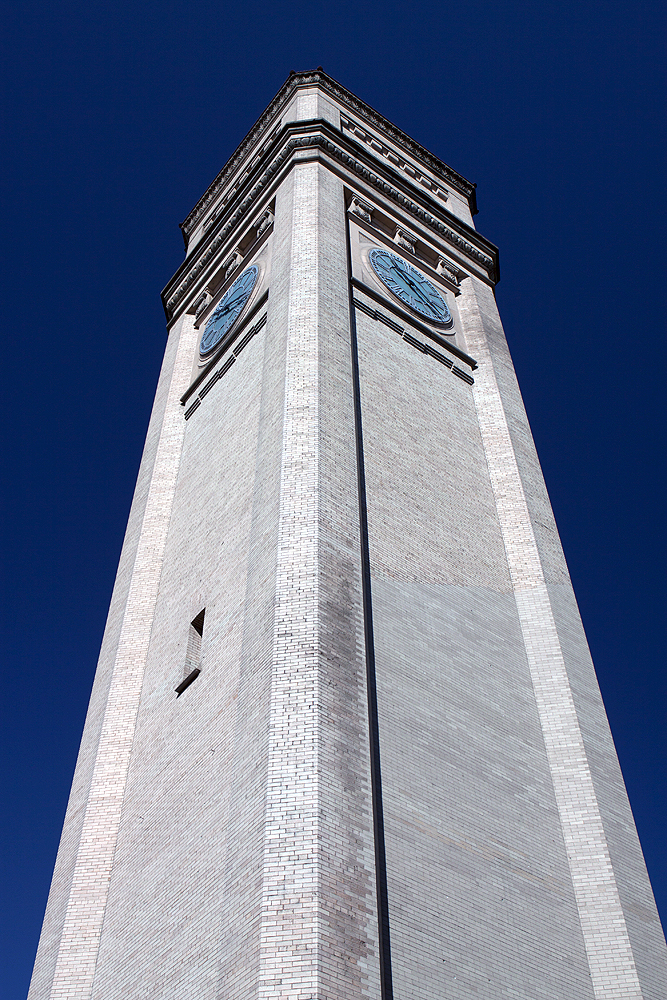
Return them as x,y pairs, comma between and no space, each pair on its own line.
411,287
228,310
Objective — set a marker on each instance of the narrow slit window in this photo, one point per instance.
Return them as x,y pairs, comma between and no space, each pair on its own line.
192,668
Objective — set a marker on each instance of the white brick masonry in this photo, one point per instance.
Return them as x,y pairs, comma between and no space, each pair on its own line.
610,957
290,934
75,965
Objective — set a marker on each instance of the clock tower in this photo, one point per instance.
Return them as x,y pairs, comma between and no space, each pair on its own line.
345,738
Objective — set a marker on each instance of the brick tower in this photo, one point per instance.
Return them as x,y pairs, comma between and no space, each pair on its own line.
345,739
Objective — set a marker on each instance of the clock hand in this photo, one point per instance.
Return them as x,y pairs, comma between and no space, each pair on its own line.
416,289
230,304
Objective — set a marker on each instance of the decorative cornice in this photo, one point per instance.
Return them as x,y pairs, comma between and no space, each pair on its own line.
307,79
319,140
190,277
487,261
399,162
260,225
384,125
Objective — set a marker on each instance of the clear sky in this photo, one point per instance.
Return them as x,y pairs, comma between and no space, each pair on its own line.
118,116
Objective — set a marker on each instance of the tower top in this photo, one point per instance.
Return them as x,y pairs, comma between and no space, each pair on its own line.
344,98
314,117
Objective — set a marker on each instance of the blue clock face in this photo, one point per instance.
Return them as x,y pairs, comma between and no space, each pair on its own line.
228,310
411,287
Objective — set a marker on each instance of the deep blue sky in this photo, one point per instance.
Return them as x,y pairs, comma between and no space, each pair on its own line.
117,117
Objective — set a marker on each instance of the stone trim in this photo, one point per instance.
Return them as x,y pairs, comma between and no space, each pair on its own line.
610,958
290,922
80,938
261,225
379,224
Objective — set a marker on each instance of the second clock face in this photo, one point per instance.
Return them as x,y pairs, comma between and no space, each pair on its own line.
228,310
408,285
